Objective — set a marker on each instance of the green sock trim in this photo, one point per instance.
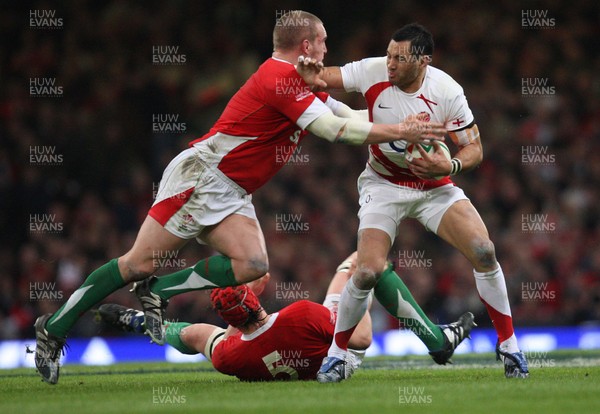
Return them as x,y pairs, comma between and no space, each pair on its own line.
98,285
173,337
395,297
214,271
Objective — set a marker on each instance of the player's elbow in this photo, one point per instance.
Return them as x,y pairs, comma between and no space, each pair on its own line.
344,130
327,126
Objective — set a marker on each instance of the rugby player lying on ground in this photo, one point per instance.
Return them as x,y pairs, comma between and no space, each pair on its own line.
289,344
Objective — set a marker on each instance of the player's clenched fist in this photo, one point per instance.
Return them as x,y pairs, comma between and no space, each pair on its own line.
311,70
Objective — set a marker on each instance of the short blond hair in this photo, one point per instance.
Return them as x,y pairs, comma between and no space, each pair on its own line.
293,27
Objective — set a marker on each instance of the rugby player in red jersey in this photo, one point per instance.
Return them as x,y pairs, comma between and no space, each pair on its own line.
289,344
206,191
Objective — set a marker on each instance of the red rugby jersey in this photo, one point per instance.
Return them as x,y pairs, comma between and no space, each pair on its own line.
291,345
261,125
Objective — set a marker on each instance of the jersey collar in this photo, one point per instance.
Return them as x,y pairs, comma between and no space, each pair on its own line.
262,329
281,60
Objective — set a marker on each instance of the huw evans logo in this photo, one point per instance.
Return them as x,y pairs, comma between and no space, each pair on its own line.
44,223
290,291
291,223
537,223
44,19
167,55
537,155
167,395
44,155
537,292
413,395
290,18
534,87
168,124
44,88
537,19
44,291
414,259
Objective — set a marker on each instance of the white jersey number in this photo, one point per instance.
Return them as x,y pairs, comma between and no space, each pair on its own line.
271,361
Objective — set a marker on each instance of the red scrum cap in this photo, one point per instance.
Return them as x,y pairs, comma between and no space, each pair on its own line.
237,305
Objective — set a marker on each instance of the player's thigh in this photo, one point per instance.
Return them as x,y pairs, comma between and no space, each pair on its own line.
463,228
241,239
152,240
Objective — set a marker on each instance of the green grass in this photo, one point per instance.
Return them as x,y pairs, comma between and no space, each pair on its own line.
563,382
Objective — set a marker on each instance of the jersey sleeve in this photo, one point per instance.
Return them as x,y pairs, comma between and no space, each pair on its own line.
361,75
459,113
224,359
291,96
352,75
323,96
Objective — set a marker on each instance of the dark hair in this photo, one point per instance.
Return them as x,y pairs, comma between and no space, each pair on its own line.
421,40
293,27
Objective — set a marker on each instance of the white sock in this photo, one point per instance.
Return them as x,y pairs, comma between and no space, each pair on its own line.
351,308
510,345
492,290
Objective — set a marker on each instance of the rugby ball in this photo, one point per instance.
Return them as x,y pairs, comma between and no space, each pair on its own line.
412,152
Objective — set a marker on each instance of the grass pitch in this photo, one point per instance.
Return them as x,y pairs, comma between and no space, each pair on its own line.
560,382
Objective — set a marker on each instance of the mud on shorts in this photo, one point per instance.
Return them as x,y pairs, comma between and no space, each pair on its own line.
193,195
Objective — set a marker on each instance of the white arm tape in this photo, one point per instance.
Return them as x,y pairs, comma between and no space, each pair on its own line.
336,129
342,110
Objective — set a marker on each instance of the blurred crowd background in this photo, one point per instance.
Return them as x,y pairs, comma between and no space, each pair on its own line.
63,217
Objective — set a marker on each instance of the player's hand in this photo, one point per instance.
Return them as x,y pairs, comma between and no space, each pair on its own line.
349,264
416,130
430,165
311,71
258,285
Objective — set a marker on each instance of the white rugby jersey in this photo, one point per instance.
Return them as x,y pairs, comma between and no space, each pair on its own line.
440,97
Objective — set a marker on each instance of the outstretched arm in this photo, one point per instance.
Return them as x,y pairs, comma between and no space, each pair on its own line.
357,132
317,76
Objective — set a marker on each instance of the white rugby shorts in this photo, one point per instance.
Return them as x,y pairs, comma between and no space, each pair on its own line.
192,195
383,205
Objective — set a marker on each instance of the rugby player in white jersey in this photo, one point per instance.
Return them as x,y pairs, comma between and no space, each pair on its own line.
400,84
206,191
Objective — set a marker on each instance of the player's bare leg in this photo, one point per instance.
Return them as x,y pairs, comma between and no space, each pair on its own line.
240,238
187,338
200,338
135,265
392,293
373,247
139,262
395,296
243,258
463,228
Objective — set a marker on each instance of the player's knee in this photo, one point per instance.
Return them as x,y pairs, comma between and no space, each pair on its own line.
484,254
366,277
253,269
134,270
